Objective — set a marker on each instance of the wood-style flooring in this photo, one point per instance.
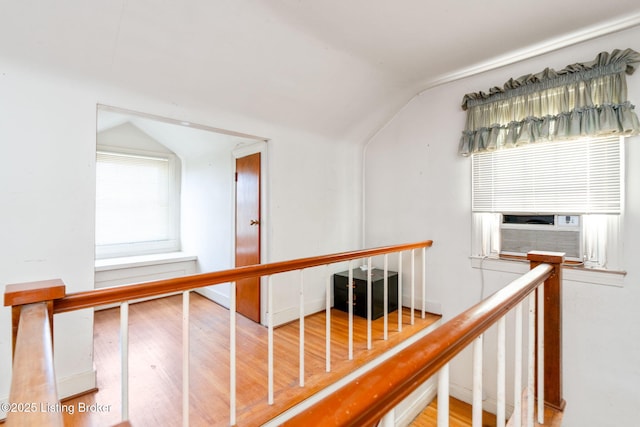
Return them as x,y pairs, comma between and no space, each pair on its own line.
155,363
459,415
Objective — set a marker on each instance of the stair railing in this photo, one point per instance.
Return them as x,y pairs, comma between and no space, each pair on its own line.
367,399
52,293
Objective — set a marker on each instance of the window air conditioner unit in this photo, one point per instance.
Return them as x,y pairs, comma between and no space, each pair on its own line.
520,234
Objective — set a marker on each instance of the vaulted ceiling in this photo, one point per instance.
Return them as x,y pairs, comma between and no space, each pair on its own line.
339,68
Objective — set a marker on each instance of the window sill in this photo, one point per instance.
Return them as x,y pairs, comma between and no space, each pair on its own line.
570,273
142,261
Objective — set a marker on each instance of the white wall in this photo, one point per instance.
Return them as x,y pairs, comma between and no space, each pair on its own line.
47,192
207,215
417,187
129,136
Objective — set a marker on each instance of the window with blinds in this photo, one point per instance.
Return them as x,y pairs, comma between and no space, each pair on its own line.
137,203
581,177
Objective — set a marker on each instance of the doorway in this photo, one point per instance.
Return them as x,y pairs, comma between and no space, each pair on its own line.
206,229
248,231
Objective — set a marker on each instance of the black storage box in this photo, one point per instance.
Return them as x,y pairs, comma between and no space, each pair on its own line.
341,292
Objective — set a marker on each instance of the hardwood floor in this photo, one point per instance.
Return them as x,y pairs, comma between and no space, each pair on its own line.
459,415
155,363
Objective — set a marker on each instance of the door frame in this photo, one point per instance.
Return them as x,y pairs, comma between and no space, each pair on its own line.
243,151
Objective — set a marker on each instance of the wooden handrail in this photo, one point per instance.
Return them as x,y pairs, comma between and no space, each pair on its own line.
19,294
367,399
117,294
34,304
33,399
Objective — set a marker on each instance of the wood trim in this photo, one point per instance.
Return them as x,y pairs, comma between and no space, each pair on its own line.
33,380
19,294
552,328
30,292
116,294
367,399
15,322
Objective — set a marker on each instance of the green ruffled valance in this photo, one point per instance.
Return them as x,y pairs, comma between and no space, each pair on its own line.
584,99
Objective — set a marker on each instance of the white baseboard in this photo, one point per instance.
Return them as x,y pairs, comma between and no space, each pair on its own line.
416,402
279,318
216,296
431,306
77,384
488,404
293,313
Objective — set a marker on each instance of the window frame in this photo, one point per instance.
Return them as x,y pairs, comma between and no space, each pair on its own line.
172,243
486,230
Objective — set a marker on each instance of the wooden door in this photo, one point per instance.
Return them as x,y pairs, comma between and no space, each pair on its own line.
248,233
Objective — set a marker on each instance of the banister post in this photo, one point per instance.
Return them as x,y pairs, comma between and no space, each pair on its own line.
552,326
18,294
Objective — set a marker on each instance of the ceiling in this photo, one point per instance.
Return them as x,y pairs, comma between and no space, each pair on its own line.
333,67
184,140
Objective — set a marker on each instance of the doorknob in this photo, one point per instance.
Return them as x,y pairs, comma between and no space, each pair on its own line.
254,222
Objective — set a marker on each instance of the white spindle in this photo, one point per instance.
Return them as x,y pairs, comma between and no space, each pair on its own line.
400,291
350,299
232,354
369,303
531,358
540,354
443,396
413,284
501,385
385,299
185,358
270,339
476,419
424,281
389,419
301,351
124,359
328,320
517,377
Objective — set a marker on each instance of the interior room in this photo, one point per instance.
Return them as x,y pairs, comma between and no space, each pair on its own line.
356,109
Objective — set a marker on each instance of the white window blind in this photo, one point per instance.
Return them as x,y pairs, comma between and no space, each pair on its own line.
582,176
135,204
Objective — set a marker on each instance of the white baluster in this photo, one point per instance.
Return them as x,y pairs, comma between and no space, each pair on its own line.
350,299
328,320
413,284
389,419
369,303
501,385
443,396
400,291
270,339
424,281
124,360
185,358
476,419
541,354
232,354
385,298
301,351
531,358
517,377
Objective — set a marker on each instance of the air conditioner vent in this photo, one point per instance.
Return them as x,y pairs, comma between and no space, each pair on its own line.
558,233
